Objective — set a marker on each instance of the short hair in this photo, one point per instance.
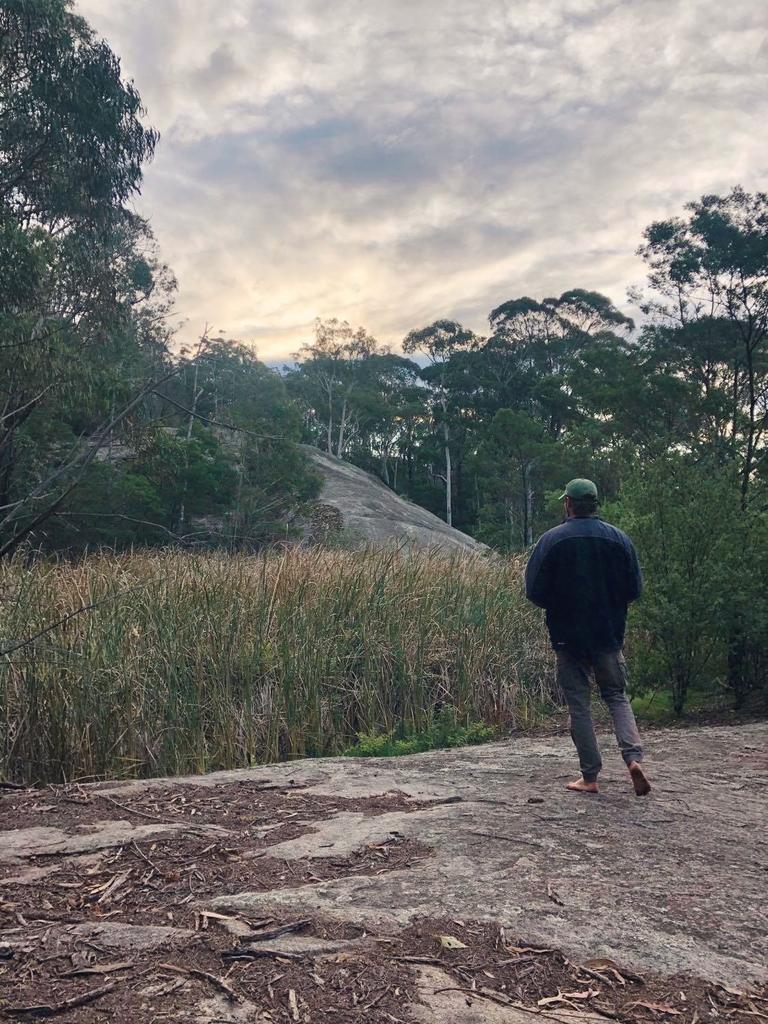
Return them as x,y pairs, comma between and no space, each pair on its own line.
585,506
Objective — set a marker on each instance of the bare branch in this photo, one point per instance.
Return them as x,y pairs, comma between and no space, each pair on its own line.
77,465
27,407
219,423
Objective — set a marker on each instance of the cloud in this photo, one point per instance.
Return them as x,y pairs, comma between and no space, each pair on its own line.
392,163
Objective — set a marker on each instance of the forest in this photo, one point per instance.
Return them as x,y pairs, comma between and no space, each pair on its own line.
114,436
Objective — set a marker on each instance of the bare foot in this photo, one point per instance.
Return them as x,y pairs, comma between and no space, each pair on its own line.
639,781
582,786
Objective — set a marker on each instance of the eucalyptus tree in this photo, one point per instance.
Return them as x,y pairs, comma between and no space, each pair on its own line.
327,378
75,263
534,345
709,275
441,341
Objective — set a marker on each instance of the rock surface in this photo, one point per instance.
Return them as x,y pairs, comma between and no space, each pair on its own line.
374,514
671,884
675,882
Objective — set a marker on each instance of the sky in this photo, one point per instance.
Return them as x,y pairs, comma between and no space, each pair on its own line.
391,162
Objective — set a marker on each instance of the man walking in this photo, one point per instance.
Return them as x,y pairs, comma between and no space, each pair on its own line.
585,573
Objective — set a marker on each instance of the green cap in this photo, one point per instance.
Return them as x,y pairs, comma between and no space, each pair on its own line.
578,489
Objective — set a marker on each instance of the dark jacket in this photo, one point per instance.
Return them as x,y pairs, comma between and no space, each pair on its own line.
584,573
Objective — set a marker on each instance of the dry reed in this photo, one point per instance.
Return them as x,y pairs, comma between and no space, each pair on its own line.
190,663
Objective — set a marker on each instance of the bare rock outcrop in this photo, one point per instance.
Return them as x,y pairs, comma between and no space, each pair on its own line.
371,513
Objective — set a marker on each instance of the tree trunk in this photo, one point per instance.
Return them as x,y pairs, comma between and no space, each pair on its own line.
752,429
448,468
448,485
193,411
342,427
330,421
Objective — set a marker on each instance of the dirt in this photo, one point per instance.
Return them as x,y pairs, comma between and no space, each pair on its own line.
239,805
163,881
378,978
607,908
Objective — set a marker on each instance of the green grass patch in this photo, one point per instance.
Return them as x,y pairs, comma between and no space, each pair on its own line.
444,733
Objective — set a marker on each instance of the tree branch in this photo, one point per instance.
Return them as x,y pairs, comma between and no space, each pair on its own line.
77,465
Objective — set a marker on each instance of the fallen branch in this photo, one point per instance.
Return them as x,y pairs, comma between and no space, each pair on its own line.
99,969
65,1006
132,810
247,953
274,933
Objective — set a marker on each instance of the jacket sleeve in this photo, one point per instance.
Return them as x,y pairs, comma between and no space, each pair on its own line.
634,585
538,574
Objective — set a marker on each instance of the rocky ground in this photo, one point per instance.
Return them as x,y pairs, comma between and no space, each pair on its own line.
457,886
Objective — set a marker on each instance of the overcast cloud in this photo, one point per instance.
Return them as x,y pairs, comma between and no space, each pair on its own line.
393,161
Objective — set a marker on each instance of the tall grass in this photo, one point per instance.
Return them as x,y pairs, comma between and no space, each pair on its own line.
194,662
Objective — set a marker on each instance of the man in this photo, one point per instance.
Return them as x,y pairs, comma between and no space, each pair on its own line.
585,573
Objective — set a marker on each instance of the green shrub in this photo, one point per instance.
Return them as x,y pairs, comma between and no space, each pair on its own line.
704,561
444,733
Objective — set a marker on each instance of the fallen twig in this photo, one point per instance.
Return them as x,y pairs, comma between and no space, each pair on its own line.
293,1004
480,993
63,1007
194,972
99,969
420,960
274,933
654,1008
249,953
280,785
376,1001
132,810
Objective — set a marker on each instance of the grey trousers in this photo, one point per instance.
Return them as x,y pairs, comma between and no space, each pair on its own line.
610,672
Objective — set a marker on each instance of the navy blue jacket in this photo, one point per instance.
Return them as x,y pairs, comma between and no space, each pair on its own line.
584,573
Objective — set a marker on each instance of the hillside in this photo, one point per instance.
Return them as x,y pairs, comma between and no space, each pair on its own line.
374,514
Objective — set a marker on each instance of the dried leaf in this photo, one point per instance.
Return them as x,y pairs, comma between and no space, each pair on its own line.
450,942
621,973
656,1008
589,993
